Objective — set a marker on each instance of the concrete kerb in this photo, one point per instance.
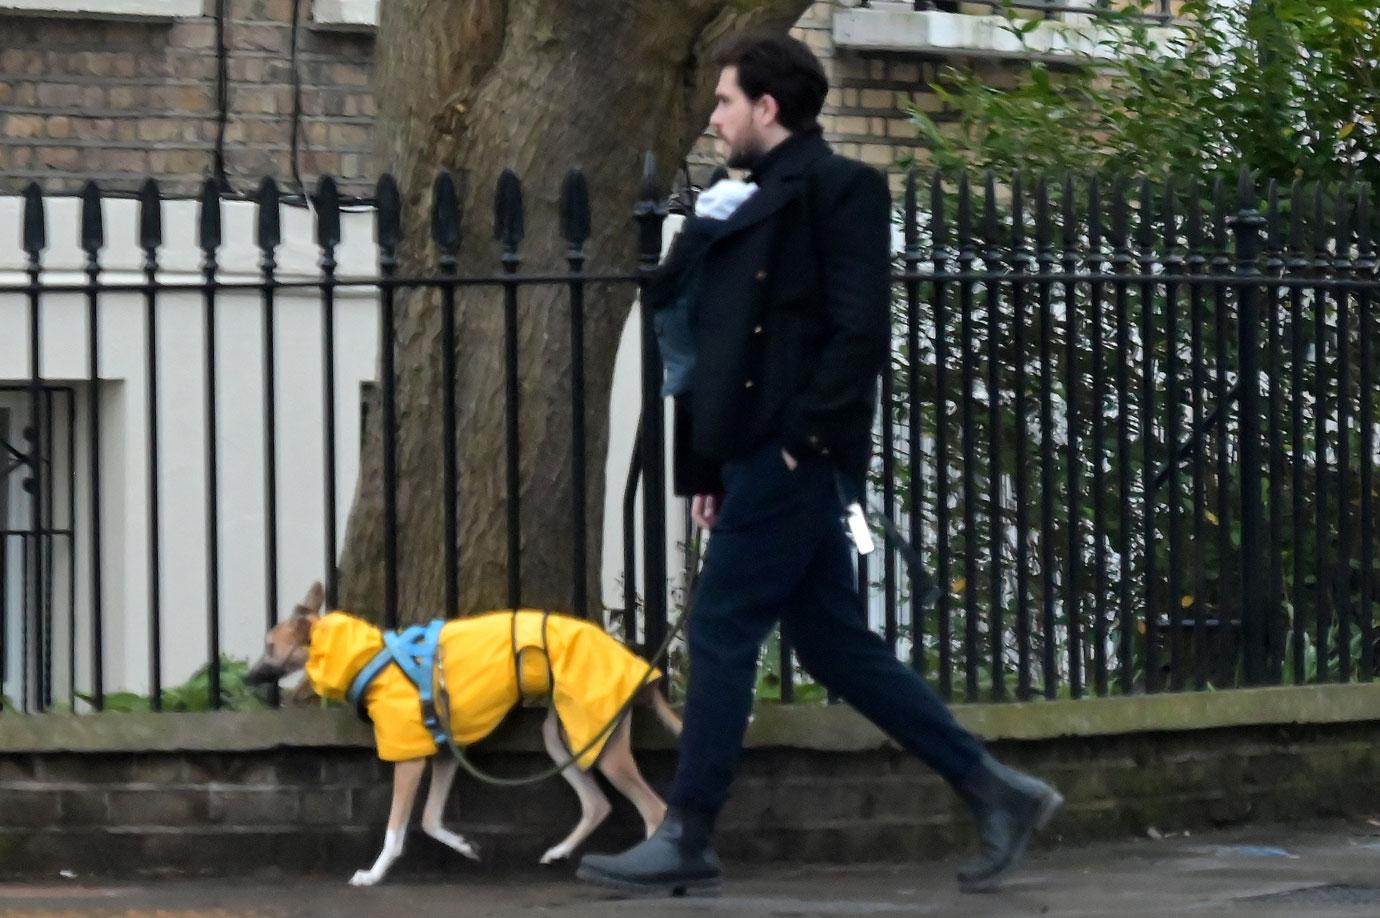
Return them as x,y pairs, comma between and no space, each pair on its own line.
809,727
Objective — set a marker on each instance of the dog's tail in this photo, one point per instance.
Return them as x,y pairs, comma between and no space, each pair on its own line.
654,698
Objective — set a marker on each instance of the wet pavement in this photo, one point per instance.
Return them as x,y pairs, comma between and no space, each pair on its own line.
1320,872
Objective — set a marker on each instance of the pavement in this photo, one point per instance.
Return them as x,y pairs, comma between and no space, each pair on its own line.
1325,871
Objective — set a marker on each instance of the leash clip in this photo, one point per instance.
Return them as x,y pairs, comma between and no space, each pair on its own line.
857,529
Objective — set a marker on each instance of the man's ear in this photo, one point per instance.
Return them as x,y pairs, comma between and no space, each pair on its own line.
770,109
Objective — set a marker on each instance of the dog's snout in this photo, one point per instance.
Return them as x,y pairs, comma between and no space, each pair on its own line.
263,672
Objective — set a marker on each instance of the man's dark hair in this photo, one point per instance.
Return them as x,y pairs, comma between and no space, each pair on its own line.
783,68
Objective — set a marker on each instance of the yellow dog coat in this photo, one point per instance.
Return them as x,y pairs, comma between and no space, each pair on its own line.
588,675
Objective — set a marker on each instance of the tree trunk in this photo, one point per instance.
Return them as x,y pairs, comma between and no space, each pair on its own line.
539,86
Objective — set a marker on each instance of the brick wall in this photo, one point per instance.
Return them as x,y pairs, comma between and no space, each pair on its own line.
116,101
323,809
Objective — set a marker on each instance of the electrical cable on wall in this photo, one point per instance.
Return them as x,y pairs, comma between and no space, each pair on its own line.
222,100
295,127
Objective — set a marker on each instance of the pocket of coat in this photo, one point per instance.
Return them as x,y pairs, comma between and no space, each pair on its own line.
765,487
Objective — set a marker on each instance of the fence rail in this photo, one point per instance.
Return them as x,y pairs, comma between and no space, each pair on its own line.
1133,432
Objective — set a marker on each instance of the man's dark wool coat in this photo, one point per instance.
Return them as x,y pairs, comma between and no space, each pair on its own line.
790,319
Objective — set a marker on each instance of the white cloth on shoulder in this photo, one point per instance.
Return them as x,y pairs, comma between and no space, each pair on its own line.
719,201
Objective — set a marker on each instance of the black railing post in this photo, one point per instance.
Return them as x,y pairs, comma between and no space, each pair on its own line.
509,229
1073,582
388,232
1097,266
992,268
268,235
914,418
1365,269
1019,266
1297,267
575,229
1274,373
1254,599
150,238
445,233
210,239
1145,258
1046,261
939,239
327,238
649,214
35,241
92,240
1341,271
967,255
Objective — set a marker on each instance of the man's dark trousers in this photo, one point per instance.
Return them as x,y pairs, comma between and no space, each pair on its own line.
779,552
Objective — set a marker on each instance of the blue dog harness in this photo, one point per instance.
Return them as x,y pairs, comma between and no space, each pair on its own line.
414,651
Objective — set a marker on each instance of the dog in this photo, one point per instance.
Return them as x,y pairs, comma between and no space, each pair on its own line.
496,661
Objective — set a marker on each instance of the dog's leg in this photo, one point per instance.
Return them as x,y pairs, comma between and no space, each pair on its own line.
406,776
594,806
443,766
619,766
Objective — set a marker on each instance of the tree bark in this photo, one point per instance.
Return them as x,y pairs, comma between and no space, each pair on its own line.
539,86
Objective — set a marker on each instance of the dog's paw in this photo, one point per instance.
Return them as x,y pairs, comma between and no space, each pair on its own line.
556,854
469,849
363,878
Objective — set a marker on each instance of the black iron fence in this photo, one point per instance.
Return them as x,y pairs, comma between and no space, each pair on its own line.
1134,433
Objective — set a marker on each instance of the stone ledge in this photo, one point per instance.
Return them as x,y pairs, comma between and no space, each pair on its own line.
886,26
818,728
138,10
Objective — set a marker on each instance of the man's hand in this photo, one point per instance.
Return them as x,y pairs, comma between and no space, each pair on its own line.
790,460
704,509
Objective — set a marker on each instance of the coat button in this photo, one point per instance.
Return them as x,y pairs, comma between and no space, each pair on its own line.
762,275
748,384
757,330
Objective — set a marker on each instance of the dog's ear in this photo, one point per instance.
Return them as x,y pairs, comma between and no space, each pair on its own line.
312,602
301,628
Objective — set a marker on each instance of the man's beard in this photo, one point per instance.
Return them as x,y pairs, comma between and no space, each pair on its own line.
746,156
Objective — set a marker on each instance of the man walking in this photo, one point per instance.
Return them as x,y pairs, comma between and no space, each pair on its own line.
790,322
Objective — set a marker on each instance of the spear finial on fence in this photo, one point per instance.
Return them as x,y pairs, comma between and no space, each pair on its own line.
509,220
939,229
388,215
35,221
575,213
92,223
268,231
649,214
911,218
445,215
327,213
209,236
150,216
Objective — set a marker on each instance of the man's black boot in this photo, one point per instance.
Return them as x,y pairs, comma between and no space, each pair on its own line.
1009,807
677,860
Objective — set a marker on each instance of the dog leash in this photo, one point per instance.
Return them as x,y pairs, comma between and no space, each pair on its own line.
927,594
443,703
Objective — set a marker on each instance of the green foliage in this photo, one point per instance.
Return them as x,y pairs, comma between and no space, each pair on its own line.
769,677
195,693
1287,88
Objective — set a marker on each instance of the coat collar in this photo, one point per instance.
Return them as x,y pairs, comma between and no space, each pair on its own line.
782,182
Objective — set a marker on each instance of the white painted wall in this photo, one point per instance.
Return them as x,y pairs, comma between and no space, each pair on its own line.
240,447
